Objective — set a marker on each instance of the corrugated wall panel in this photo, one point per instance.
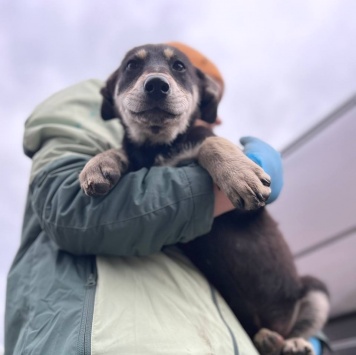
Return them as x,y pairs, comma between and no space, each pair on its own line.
317,209
335,264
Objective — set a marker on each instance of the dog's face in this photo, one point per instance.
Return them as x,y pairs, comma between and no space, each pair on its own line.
157,93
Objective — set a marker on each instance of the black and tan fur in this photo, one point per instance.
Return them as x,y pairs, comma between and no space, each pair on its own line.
158,94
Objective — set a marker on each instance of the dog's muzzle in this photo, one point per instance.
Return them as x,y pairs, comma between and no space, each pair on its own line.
156,87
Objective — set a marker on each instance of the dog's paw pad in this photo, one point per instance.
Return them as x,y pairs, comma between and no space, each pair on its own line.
297,346
245,191
98,177
268,342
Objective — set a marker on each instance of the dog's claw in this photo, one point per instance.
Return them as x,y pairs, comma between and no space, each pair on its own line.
266,182
93,189
261,197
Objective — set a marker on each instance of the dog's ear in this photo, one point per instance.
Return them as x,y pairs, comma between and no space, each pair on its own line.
210,95
108,110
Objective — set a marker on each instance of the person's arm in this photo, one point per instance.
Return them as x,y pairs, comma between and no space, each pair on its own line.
146,210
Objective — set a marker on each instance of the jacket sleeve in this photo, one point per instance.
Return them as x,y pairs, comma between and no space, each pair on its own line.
145,211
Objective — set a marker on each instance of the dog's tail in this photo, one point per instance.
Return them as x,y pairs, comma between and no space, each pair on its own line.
312,309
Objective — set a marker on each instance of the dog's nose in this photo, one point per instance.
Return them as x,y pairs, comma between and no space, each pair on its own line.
156,86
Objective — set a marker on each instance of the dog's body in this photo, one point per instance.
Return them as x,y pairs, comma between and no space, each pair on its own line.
158,94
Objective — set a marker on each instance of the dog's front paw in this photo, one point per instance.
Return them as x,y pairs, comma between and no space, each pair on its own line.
297,346
102,172
245,184
268,342
243,181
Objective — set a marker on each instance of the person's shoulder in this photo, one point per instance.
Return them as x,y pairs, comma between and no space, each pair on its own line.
70,122
84,92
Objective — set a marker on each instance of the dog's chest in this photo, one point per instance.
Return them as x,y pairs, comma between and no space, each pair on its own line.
146,156
184,149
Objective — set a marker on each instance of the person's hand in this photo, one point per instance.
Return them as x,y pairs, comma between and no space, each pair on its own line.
221,204
317,345
268,159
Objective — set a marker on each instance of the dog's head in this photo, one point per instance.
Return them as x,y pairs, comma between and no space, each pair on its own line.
158,93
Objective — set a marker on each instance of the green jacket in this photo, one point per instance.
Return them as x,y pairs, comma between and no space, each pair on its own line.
90,276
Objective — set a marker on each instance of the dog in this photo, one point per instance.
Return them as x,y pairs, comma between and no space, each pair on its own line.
158,95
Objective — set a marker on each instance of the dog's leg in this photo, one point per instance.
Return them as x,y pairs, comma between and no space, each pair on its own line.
297,346
102,172
313,309
269,342
311,314
243,181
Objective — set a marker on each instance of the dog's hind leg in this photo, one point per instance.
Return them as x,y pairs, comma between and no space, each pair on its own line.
310,316
312,313
313,309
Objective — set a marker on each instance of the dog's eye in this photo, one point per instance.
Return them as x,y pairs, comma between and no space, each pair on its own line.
132,65
178,66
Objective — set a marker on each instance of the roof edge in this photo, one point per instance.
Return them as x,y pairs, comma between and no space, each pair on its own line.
320,126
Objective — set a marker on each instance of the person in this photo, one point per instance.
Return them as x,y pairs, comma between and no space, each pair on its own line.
103,275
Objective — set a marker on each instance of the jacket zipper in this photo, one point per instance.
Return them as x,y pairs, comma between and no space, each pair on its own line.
84,344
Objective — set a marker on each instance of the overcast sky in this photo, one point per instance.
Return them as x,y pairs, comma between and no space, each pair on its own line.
286,65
